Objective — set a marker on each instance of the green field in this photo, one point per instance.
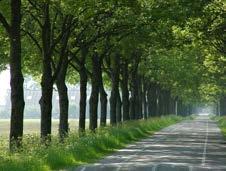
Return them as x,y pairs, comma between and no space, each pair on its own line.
32,126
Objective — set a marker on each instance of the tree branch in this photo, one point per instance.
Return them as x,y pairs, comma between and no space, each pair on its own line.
33,39
5,23
73,66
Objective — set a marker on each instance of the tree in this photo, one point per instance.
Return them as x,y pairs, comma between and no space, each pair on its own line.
16,82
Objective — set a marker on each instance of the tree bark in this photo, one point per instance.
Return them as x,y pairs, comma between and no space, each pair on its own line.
161,102
223,106
134,100
144,98
172,105
119,108
94,92
103,102
149,98
152,100
166,97
139,100
62,87
218,108
47,80
16,77
125,91
103,96
83,90
115,86
63,99
134,106
83,98
180,108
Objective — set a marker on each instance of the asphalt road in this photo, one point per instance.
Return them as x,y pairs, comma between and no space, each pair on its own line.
187,146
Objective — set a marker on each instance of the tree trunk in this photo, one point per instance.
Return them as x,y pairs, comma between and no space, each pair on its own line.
83,96
161,102
139,97
125,91
47,80
223,106
180,108
103,97
166,102
152,100
176,107
94,92
218,108
16,80
172,107
134,106
158,97
144,93
149,98
62,87
119,108
115,87
103,102
63,99
46,106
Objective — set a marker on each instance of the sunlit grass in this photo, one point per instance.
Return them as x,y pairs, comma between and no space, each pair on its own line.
78,150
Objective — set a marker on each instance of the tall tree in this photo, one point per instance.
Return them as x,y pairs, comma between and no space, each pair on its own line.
16,82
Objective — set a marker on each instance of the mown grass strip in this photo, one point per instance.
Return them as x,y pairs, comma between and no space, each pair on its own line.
80,150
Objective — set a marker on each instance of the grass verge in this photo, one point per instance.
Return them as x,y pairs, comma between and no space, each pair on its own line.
79,150
221,120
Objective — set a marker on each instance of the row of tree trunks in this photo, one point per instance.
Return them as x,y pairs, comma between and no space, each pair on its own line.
160,102
146,99
183,109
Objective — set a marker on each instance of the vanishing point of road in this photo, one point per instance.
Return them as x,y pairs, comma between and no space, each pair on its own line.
192,145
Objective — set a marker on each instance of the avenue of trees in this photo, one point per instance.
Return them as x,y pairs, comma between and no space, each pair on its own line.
156,57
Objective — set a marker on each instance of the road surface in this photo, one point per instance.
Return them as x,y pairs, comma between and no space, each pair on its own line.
187,146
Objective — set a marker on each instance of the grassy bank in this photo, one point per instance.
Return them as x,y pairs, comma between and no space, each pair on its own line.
79,150
221,123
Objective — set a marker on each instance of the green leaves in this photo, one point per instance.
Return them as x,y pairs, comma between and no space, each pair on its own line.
178,41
